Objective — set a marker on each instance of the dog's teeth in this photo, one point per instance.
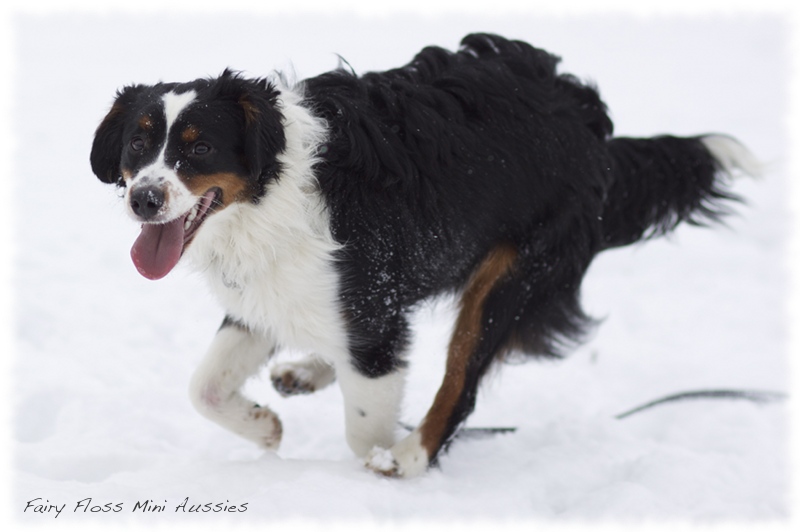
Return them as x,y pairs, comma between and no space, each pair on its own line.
190,218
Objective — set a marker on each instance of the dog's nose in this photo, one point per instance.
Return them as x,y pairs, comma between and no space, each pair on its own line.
146,202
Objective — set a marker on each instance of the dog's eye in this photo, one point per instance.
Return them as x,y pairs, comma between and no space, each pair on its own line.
201,148
137,144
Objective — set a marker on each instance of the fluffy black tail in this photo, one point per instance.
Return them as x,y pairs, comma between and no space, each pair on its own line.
662,181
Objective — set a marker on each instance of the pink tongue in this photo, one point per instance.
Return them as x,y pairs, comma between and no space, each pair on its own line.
158,248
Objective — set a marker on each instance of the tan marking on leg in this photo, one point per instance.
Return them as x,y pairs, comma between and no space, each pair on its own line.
466,336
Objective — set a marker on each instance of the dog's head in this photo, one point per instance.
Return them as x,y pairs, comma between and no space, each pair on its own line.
184,152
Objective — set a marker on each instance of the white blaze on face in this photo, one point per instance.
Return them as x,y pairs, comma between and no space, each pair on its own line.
174,104
179,198
160,244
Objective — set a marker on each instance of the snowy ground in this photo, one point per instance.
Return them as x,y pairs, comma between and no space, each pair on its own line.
103,356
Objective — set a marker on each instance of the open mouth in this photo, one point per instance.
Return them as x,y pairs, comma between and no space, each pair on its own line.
159,246
198,214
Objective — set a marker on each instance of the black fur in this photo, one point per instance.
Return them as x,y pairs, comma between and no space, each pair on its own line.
106,155
659,183
430,166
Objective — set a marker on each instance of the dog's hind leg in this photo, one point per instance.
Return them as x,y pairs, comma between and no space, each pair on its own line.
303,376
235,354
481,332
522,299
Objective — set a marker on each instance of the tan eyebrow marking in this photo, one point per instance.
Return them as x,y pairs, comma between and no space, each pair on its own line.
145,122
190,134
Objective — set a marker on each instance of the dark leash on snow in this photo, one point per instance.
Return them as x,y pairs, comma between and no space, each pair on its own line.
754,396
472,432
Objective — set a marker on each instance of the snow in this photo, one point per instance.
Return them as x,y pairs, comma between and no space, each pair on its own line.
103,357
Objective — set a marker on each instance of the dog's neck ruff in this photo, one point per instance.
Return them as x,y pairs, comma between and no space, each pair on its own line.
271,263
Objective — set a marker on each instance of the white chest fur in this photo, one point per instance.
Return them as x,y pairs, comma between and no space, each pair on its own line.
271,263
281,284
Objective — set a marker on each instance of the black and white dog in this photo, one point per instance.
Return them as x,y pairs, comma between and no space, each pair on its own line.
322,213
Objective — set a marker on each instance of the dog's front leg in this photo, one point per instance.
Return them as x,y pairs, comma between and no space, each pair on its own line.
301,377
235,354
371,406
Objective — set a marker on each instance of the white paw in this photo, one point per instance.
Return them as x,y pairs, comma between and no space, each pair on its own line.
382,461
405,459
263,427
297,378
289,380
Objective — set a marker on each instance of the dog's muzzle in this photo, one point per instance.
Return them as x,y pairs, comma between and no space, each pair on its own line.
146,202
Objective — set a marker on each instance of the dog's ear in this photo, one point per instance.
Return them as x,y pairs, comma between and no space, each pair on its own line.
107,145
264,136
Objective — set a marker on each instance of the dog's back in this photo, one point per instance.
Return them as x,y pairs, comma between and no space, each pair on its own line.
429,167
486,172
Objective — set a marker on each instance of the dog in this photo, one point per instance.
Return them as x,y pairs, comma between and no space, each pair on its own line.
323,212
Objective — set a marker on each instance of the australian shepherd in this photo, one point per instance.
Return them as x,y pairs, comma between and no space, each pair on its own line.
323,212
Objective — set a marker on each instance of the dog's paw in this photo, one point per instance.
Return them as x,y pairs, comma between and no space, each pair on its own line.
290,380
382,461
265,428
303,377
405,459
